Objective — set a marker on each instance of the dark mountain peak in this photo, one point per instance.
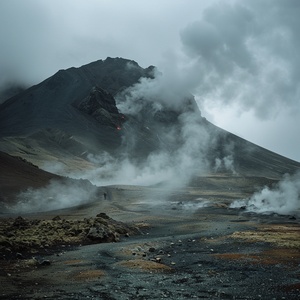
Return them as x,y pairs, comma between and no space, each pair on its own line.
80,103
50,104
100,97
115,74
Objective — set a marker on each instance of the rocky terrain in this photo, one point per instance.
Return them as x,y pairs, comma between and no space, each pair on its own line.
100,108
198,249
109,190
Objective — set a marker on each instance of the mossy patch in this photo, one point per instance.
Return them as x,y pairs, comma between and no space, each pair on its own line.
285,236
88,275
275,256
34,235
144,265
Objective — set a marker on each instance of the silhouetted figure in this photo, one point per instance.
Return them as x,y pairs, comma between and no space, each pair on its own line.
104,195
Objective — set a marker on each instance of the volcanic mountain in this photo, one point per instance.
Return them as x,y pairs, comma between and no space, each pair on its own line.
213,218
96,109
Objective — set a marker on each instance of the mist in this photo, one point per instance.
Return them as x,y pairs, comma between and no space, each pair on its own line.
168,114
225,164
283,199
241,63
57,195
229,54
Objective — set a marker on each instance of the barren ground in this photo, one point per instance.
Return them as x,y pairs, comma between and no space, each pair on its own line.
183,250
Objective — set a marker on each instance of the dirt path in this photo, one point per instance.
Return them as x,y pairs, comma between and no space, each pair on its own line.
184,251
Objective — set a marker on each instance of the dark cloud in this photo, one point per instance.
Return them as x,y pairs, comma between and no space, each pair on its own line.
236,54
247,53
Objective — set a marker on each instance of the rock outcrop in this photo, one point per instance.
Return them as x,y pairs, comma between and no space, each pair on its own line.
101,105
79,103
21,236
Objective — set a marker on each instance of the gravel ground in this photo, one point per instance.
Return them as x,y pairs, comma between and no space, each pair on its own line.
195,253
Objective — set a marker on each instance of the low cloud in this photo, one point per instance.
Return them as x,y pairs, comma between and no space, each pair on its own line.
283,199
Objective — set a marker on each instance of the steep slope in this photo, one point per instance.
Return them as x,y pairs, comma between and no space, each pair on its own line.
17,175
250,159
74,113
50,104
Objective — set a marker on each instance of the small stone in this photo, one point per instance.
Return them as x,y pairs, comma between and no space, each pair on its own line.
57,218
103,215
19,255
45,262
151,249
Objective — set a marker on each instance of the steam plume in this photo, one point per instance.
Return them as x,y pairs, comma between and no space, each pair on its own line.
283,199
57,195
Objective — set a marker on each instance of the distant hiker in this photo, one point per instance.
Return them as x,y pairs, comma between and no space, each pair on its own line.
104,195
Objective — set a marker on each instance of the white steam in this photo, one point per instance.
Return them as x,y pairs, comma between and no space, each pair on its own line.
174,164
284,199
225,164
57,195
123,171
167,89
54,167
182,145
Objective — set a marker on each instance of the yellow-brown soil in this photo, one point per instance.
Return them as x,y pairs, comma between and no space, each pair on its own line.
144,265
287,235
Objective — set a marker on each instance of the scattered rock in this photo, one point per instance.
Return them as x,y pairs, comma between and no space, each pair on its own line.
101,234
21,222
19,255
45,262
103,216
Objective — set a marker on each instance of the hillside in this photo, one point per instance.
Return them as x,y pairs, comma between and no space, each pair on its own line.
80,112
97,154
18,175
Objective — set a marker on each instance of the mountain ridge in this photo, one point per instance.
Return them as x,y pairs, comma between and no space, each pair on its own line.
80,103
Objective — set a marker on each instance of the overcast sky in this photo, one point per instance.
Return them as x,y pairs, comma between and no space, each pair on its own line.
240,58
